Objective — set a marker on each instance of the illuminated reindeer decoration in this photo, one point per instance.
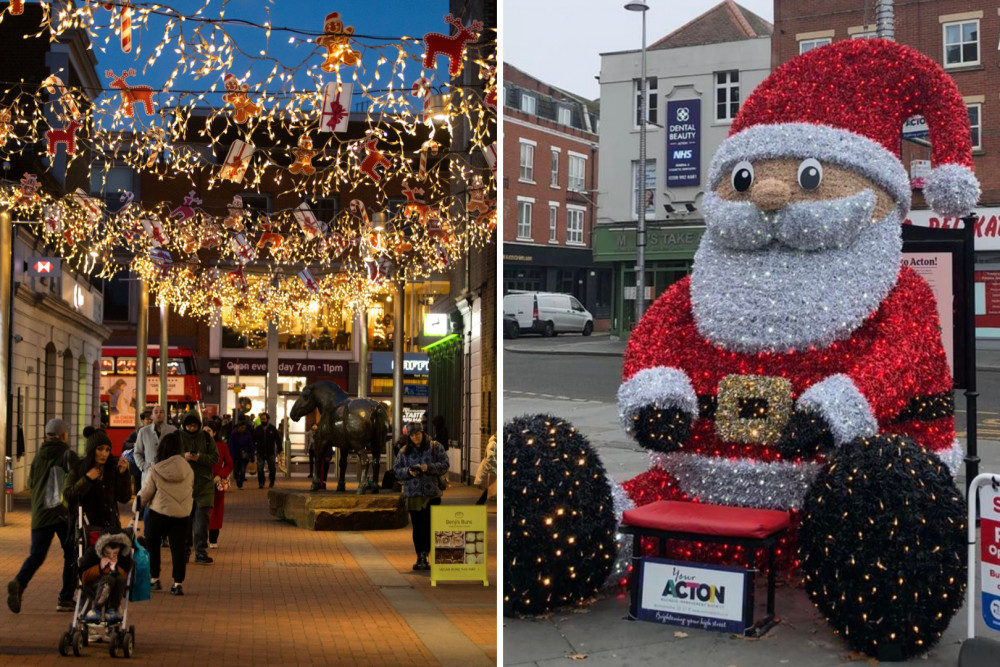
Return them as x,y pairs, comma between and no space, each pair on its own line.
452,46
131,95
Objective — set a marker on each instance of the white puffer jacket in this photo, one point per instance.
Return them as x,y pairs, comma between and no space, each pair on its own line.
168,487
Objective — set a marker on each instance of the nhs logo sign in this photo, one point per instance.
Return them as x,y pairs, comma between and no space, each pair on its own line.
683,143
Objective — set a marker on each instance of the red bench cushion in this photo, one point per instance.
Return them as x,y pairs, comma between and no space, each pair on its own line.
704,519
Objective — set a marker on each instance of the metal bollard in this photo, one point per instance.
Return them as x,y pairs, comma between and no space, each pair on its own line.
8,478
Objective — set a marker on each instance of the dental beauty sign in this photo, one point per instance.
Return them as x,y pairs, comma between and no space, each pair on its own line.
703,596
989,527
683,143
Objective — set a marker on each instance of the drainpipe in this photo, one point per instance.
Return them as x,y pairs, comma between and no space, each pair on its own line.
885,25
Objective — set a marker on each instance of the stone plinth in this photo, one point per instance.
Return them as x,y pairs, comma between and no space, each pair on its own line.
328,510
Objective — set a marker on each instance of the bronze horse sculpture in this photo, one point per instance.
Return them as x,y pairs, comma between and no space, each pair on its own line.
345,423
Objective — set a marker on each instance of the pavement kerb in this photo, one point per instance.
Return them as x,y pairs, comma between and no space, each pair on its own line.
589,353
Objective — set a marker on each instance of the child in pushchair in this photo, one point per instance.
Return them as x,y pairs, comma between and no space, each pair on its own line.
104,571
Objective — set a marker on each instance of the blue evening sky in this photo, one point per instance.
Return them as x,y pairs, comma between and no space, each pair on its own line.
371,21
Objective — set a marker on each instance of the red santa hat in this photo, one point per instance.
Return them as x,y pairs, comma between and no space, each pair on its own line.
846,104
331,20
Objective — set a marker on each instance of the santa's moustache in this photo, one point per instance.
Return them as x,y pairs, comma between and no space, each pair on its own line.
811,225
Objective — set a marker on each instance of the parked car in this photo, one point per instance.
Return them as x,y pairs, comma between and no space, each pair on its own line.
548,313
510,328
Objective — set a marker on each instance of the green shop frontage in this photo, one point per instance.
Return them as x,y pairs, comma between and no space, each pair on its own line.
669,254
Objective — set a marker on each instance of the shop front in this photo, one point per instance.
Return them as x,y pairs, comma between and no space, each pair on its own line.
246,394
669,255
558,269
416,371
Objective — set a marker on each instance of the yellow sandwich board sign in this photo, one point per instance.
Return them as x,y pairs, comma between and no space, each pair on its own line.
458,543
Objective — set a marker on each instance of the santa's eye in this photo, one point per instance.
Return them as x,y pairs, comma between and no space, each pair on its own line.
742,176
810,174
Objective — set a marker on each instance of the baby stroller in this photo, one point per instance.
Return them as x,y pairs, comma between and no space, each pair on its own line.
121,641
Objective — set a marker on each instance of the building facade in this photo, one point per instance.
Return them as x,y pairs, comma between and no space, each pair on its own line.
550,185
697,77
961,35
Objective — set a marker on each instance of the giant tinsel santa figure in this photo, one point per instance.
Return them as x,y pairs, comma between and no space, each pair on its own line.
800,338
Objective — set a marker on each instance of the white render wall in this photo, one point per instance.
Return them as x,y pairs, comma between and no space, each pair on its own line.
682,73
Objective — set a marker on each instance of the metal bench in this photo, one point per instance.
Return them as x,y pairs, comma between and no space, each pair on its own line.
699,522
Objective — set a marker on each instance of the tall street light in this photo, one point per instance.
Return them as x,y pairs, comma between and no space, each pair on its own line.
640,228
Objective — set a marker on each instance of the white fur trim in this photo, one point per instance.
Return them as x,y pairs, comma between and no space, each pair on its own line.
843,407
740,482
952,190
660,386
953,457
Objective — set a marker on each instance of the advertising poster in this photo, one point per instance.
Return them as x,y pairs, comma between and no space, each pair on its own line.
699,596
120,390
458,543
683,143
935,268
989,501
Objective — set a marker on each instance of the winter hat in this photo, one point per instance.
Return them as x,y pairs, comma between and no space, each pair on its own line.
54,428
95,437
191,417
413,427
845,104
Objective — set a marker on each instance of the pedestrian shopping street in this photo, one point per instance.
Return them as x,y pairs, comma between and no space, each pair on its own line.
276,595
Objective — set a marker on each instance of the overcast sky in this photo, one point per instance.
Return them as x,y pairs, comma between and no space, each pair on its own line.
560,41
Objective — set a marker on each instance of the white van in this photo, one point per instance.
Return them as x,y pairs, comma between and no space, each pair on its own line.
548,313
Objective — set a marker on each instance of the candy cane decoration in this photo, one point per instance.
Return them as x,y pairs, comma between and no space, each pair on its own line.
358,208
125,27
54,84
430,146
127,198
420,87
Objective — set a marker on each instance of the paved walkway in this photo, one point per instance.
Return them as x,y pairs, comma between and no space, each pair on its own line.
277,595
600,633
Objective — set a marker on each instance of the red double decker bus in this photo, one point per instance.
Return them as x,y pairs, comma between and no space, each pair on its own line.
118,387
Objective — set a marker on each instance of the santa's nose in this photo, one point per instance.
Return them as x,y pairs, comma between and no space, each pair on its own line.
770,194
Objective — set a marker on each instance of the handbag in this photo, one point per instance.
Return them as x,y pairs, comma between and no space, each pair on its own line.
141,589
252,468
388,479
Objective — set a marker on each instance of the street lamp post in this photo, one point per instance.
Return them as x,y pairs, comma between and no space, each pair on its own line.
640,228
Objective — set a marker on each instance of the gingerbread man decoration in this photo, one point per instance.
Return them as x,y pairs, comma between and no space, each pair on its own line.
234,220
373,158
29,190
6,126
188,238
210,235
185,211
304,155
478,201
236,94
337,42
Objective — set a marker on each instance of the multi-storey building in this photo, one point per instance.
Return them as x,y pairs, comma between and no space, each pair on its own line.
697,77
550,183
961,35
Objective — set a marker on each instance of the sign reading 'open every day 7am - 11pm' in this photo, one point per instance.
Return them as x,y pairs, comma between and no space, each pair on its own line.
458,543
701,596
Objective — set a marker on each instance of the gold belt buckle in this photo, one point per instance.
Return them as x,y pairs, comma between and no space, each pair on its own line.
753,409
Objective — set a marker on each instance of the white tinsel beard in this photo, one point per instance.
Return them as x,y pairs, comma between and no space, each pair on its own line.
779,298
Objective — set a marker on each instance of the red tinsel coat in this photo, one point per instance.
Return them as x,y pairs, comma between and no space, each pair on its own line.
222,469
895,359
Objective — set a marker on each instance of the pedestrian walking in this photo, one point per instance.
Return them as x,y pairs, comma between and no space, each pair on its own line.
48,520
148,439
97,484
241,450
167,492
418,466
441,432
487,468
220,476
200,451
227,428
146,418
267,445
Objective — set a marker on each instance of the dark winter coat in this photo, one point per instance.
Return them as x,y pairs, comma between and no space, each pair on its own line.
267,441
90,564
202,444
99,497
423,483
52,452
240,443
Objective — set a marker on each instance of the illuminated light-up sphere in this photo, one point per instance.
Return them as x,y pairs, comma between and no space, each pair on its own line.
883,546
559,516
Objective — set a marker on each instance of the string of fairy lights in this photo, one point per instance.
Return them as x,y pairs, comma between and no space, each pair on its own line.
236,134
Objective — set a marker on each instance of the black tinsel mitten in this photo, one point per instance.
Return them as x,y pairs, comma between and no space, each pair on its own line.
806,434
661,429
882,544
